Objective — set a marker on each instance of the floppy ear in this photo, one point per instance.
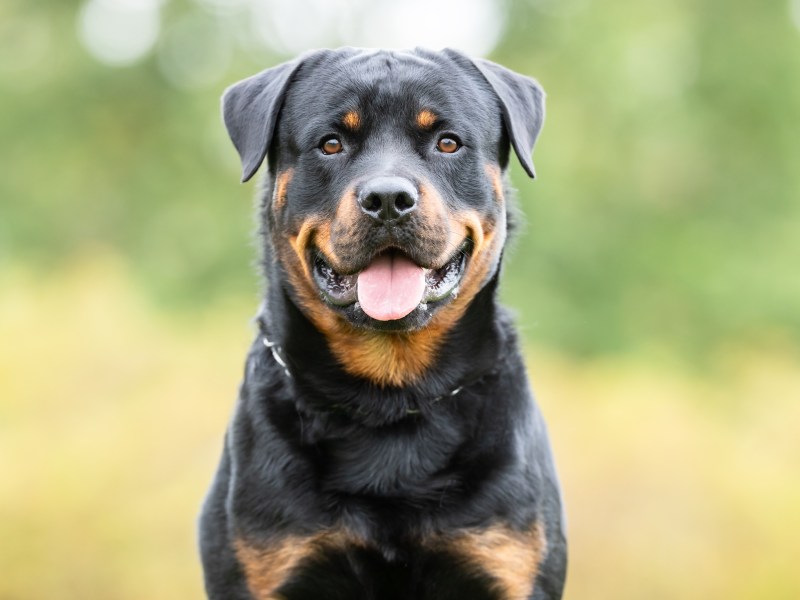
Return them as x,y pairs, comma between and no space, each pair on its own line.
250,110
522,102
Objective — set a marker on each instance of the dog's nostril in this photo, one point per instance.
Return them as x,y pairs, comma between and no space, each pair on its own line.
403,202
372,203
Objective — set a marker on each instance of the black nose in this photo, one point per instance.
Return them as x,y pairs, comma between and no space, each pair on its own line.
388,199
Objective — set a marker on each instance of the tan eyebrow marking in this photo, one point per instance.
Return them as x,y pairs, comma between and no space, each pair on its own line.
352,120
426,118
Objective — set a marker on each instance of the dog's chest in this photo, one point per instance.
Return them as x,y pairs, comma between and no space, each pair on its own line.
491,563
410,460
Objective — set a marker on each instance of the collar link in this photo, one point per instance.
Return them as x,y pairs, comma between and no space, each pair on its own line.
275,349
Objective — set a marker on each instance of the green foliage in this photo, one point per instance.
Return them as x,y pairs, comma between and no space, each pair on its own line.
668,215
665,219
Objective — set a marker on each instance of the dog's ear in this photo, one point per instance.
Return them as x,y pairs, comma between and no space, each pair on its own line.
250,110
522,102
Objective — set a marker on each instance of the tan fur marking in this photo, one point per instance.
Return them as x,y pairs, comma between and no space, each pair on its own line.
487,241
387,358
347,211
432,207
352,120
426,118
296,263
279,192
266,568
511,558
400,358
322,239
493,171
302,241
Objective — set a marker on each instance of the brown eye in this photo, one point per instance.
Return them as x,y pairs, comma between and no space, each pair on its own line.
332,145
448,145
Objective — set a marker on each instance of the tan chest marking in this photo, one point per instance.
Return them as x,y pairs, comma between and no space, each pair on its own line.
511,558
268,567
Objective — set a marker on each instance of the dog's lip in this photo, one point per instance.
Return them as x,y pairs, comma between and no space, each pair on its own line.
444,281
341,289
338,289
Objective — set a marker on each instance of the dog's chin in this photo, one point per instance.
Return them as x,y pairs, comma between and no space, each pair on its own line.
413,321
340,292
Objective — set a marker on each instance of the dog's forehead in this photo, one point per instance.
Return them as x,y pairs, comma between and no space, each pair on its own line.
387,82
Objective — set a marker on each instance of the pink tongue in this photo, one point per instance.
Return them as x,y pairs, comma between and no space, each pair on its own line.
390,287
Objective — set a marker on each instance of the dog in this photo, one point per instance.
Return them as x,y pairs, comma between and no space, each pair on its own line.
385,444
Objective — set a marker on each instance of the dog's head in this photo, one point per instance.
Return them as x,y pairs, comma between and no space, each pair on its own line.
387,212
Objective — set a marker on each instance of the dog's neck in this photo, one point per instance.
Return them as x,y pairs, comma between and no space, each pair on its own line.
470,350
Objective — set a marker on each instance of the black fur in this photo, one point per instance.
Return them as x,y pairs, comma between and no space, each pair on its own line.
322,449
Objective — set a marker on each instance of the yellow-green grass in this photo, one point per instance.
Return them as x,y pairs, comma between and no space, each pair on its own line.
112,415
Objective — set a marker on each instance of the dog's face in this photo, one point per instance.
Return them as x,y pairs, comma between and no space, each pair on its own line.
388,209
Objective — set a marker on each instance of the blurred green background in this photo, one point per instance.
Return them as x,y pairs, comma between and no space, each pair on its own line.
655,280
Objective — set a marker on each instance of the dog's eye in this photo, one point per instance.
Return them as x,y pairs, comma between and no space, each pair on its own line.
447,145
331,145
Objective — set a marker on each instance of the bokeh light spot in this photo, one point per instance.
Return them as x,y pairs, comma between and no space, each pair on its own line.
297,26
194,53
474,26
794,12
662,60
223,7
119,32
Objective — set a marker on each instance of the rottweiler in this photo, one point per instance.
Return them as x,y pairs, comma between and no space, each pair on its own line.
385,444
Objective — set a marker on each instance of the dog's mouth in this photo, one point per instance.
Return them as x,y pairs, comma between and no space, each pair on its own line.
392,285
